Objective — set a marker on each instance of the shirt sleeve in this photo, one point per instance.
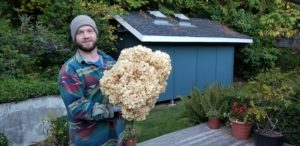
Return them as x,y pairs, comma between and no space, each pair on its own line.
78,106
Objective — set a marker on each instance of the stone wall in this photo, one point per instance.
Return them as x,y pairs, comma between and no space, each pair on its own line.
25,123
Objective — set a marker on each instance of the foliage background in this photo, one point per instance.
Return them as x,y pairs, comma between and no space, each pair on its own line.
3,140
35,33
35,40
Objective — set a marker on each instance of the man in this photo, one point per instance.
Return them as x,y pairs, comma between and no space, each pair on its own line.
92,120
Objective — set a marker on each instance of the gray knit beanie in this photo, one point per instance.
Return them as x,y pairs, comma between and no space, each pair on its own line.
81,20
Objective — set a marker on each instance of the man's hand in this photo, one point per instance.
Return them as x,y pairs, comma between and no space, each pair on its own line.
117,108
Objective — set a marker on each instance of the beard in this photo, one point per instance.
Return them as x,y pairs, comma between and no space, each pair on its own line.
87,49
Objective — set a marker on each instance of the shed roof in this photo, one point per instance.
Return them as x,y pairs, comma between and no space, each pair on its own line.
142,25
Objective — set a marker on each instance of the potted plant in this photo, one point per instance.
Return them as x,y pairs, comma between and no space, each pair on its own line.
212,102
129,138
274,95
240,116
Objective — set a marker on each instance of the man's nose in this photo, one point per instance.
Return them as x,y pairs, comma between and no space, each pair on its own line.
86,34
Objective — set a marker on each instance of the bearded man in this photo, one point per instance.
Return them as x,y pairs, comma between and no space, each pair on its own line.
92,120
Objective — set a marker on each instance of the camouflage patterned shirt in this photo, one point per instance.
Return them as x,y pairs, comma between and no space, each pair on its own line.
90,116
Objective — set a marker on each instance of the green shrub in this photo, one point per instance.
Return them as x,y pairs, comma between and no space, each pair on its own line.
278,101
288,59
213,101
41,45
3,140
101,12
197,105
46,49
193,110
290,124
5,31
14,63
58,9
12,89
291,119
244,21
255,59
31,49
58,132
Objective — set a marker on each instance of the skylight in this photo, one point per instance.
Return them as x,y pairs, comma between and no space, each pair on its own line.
181,16
159,18
157,14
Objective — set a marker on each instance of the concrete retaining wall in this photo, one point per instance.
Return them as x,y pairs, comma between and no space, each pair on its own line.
25,122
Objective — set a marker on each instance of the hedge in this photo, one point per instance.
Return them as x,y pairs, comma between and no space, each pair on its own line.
12,89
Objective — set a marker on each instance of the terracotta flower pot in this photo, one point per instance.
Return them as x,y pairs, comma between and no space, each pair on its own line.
213,123
240,130
130,142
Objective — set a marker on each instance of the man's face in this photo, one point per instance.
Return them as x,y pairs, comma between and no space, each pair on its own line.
86,38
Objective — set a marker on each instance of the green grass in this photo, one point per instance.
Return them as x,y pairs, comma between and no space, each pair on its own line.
161,121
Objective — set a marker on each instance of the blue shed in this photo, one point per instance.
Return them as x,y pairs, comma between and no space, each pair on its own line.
202,51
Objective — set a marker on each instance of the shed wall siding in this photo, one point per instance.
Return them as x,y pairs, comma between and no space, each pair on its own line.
185,71
206,66
225,63
196,66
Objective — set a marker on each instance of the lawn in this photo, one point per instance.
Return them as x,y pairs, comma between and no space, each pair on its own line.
160,121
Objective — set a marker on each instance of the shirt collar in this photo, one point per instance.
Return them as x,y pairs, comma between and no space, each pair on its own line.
81,60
